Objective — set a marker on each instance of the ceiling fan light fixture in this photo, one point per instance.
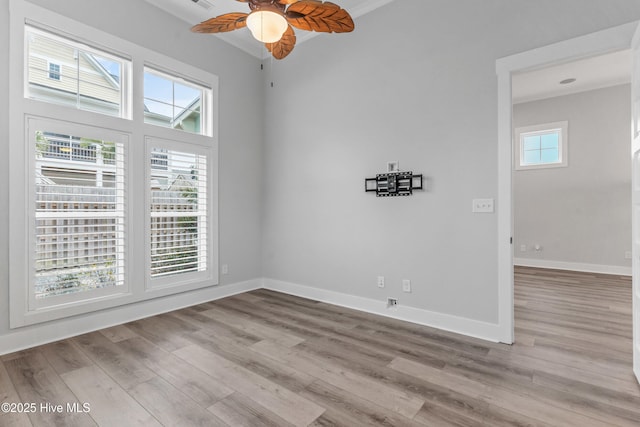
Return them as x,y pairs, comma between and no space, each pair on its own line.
267,26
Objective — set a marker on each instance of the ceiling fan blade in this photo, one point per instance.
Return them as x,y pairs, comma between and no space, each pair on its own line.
315,15
284,46
222,23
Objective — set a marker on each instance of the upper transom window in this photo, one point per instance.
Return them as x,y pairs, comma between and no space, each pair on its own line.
173,102
63,71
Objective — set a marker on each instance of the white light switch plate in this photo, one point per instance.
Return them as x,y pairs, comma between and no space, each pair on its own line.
483,206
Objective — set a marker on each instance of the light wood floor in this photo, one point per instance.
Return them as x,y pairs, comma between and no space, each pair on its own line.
268,359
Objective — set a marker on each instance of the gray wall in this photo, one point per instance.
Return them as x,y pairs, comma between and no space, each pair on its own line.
416,83
240,159
581,213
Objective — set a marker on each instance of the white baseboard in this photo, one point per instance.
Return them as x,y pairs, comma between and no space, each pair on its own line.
461,325
31,336
573,266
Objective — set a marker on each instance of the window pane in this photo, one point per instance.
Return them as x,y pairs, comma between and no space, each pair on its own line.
178,212
80,212
186,96
531,142
532,157
550,140
550,155
170,103
61,72
157,113
158,89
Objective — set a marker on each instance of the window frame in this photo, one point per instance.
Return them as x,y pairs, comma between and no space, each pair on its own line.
154,283
561,127
206,125
22,211
81,45
59,126
57,74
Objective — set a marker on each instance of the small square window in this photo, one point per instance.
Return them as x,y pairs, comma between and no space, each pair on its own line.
541,146
54,71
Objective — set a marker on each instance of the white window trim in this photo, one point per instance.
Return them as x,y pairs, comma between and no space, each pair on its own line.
60,127
518,160
131,124
206,124
36,27
178,280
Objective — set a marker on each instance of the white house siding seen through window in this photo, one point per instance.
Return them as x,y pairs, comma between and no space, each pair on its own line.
65,72
178,208
79,214
172,102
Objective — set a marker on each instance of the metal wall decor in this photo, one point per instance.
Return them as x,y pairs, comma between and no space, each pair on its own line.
393,184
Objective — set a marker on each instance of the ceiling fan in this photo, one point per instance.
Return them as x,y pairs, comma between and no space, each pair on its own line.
271,21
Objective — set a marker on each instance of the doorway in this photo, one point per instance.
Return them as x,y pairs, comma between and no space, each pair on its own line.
611,40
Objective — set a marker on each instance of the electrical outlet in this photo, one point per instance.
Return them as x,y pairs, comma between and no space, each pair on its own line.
225,269
483,206
381,281
523,248
627,255
406,285
392,302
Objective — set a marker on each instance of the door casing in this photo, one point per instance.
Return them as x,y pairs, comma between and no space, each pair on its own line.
598,43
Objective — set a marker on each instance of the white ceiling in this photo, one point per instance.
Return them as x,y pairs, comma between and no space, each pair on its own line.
590,73
194,12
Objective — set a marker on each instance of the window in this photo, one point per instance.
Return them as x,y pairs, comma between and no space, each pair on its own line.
173,102
54,71
541,146
88,232
178,230
93,79
79,228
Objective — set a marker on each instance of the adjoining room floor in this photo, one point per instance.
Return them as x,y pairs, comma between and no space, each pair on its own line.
269,359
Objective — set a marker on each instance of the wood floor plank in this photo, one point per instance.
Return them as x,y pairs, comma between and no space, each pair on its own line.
160,332
346,408
273,370
265,358
239,410
118,333
109,404
193,382
394,399
290,406
171,407
8,394
37,382
126,370
65,356
254,328
537,407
